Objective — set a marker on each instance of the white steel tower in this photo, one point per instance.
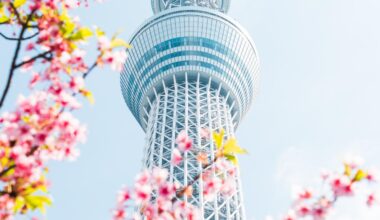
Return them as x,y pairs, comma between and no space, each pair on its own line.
190,67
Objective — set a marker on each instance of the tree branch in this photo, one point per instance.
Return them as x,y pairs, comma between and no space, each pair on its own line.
92,67
16,39
46,55
15,56
205,167
17,13
2,173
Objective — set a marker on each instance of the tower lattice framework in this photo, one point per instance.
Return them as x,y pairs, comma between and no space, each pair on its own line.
188,106
191,67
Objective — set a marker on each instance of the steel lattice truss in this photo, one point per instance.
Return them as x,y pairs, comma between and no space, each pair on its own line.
191,105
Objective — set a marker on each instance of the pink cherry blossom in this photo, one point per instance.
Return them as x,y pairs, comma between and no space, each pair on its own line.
176,157
341,185
372,199
184,142
317,206
290,216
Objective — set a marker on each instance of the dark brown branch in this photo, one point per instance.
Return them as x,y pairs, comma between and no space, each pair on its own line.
18,14
45,55
4,172
205,167
33,26
16,39
15,56
92,67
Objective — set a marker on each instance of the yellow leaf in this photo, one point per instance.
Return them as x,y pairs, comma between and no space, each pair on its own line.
9,172
4,161
218,138
19,3
4,19
68,26
99,32
29,190
19,204
43,188
231,147
37,202
232,158
88,95
360,175
82,34
119,43
347,170
26,119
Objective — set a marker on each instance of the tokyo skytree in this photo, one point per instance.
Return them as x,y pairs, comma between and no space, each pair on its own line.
191,67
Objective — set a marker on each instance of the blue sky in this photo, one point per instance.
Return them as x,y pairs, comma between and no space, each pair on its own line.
319,100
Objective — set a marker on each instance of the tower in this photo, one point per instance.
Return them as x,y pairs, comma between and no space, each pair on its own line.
190,67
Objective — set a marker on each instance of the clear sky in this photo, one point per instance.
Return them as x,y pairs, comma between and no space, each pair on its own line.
319,100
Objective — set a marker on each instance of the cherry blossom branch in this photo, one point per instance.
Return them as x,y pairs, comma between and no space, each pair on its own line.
48,55
90,69
42,122
157,197
15,56
182,191
5,171
15,11
309,204
16,39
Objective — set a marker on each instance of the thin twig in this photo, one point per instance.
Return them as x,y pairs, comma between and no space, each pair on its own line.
183,190
2,173
92,67
46,55
16,39
17,13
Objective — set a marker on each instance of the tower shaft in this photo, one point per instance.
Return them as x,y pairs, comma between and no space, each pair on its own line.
192,105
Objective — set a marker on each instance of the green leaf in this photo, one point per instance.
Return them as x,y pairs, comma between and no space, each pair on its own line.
19,3
360,175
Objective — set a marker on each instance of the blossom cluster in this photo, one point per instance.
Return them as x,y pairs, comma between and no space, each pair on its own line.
42,127
156,197
312,205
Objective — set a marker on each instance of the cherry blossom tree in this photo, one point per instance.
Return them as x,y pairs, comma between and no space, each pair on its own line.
50,47
311,204
155,197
